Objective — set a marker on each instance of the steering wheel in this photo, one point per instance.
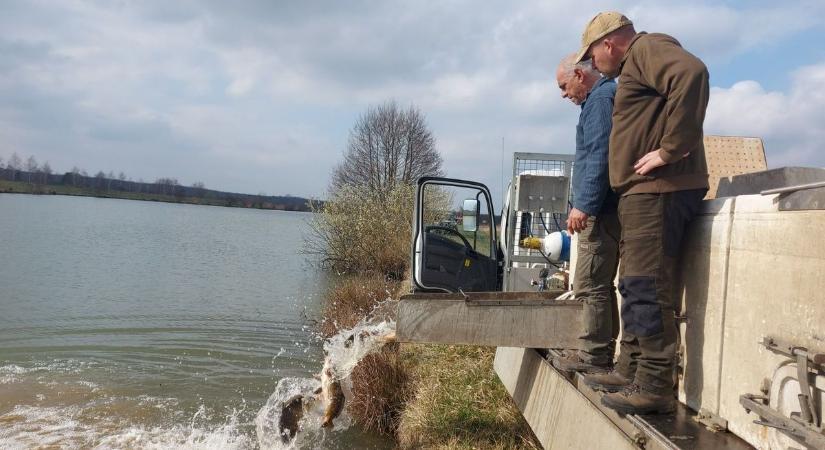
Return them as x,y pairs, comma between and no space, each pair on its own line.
448,230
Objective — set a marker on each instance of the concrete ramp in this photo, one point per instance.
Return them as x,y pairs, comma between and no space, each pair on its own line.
566,414
498,319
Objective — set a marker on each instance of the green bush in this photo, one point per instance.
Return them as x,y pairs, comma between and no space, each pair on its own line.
359,230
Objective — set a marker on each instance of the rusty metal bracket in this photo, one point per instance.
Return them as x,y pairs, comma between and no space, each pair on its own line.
805,362
815,359
804,432
803,426
711,421
806,403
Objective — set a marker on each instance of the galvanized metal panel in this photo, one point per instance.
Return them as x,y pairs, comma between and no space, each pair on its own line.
512,319
561,417
755,183
804,200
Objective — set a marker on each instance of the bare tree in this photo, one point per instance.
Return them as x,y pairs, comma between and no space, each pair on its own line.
31,167
387,146
45,170
121,176
167,185
100,179
14,162
75,174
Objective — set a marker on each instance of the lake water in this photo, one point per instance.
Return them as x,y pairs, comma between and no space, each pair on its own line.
127,324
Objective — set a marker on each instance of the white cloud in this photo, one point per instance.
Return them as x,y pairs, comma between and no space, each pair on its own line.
790,123
263,92
718,32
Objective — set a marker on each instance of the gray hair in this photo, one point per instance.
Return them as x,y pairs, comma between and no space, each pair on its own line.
567,66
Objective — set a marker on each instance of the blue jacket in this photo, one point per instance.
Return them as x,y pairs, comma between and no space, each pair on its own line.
591,184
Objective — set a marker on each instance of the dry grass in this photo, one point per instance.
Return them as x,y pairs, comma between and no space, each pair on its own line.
458,402
428,396
352,299
380,381
380,391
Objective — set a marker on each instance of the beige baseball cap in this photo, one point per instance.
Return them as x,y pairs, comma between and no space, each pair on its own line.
600,26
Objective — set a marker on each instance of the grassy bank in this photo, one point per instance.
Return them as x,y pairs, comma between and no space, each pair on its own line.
458,402
426,396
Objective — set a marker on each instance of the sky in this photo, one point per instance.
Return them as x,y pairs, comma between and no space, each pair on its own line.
259,96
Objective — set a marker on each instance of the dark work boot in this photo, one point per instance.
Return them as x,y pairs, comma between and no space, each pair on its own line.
572,362
635,400
607,382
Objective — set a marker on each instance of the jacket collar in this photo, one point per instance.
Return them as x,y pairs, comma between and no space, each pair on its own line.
629,48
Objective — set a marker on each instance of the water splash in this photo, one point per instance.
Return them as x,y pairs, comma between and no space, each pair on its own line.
53,403
347,348
343,353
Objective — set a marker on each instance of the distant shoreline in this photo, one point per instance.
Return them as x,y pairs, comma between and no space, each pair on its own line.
297,204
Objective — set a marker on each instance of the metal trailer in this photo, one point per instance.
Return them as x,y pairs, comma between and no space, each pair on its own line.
560,409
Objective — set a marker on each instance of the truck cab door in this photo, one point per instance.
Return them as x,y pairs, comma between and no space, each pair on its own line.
454,237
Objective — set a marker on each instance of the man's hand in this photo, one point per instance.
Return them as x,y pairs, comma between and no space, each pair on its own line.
576,221
649,162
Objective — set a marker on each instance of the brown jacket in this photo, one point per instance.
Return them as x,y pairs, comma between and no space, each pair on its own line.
660,102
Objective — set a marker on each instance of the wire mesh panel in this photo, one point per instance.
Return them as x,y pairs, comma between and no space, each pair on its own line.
532,166
538,199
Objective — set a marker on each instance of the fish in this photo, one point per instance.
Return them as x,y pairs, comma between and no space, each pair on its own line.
292,412
332,394
362,336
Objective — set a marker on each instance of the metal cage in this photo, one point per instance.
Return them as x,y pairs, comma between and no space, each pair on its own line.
537,206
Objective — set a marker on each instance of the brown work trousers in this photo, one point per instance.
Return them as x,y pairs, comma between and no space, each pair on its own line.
596,265
653,227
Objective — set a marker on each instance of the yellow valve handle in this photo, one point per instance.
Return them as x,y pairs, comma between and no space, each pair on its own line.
533,243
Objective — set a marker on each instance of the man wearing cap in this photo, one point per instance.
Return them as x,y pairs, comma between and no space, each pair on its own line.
593,216
657,166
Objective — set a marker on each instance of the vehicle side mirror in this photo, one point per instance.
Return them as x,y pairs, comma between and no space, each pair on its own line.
469,213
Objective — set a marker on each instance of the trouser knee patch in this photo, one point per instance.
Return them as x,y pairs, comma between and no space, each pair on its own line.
641,312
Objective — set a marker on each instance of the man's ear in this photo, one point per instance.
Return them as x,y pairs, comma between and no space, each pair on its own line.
578,74
609,46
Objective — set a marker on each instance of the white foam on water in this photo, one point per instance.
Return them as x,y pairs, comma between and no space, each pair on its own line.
11,373
186,437
13,369
27,427
32,427
62,426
